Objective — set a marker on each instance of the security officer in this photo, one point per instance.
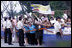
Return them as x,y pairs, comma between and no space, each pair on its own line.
21,33
5,30
9,30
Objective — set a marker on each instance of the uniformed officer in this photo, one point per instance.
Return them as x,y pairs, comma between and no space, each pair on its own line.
21,33
9,30
5,30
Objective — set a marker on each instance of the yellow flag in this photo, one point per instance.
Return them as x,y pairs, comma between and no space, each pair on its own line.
41,9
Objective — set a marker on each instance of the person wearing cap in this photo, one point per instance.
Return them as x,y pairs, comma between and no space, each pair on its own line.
57,27
21,32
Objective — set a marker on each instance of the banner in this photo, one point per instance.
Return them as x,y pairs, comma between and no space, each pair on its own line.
41,9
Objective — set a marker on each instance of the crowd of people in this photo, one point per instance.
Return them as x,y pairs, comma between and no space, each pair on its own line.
29,30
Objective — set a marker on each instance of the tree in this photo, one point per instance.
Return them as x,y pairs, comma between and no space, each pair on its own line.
59,5
58,13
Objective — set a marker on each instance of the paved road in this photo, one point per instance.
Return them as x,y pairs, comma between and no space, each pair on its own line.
49,41
17,45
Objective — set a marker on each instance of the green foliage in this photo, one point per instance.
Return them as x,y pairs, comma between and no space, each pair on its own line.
49,17
58,13
58,5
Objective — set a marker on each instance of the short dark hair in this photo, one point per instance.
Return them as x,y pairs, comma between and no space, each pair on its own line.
9,18
5,18
52,18
20,18
58,18
36,19
25,18
13,18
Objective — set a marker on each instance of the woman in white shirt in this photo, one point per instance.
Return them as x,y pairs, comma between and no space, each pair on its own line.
14,36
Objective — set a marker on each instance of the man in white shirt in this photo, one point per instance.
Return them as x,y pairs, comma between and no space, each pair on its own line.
5,30
21,33
57,27
9,30
52,21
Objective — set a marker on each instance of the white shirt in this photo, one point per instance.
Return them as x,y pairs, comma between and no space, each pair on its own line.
46,19
19,25
38,22
4,24
57,26
1,23
62,21
8,24
65,16
52,21
39,26
22,20
42,18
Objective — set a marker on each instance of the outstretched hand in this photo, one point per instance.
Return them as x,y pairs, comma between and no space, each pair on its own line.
48,30
52,32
